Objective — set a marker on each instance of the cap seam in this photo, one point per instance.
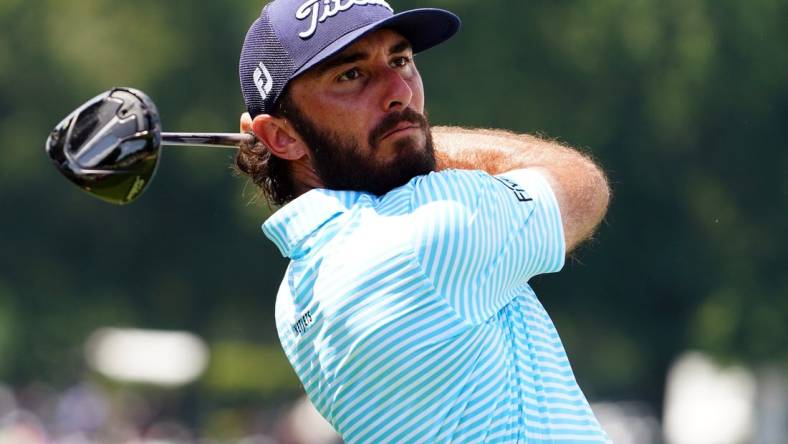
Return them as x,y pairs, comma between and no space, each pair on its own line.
276,32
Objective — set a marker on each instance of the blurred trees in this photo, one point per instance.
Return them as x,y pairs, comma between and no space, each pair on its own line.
683,103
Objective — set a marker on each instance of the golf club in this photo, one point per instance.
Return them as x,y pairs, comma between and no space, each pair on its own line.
110,146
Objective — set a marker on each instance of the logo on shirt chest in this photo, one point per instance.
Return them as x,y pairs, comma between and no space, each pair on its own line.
518,191
302,324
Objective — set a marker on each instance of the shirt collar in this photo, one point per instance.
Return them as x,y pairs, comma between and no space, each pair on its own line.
289,227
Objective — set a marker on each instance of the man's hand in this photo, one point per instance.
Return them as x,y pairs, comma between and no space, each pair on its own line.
579,185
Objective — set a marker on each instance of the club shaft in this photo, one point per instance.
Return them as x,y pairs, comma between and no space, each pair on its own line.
221,140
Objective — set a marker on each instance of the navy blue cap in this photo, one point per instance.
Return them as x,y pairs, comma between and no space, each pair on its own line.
292,36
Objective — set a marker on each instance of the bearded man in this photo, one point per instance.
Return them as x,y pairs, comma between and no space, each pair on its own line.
406,310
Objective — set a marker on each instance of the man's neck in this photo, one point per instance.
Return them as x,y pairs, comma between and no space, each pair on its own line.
304,176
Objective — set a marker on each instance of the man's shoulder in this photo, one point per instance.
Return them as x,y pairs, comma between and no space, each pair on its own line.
438,178
440,185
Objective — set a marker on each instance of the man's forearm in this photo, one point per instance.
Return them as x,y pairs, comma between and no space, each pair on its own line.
579,184
496,151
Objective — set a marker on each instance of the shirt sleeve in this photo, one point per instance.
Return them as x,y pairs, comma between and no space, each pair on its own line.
479,237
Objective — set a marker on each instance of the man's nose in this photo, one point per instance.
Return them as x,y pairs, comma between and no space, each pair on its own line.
398,92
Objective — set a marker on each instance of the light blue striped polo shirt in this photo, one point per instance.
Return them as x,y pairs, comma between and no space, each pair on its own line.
409,319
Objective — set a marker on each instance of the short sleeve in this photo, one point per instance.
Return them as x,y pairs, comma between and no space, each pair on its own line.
479,237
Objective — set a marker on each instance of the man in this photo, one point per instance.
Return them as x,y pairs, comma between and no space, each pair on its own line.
405,310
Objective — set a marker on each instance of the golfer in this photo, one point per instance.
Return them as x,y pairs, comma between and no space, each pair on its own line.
406,310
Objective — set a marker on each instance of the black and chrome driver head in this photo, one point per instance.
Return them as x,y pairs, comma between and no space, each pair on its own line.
110,146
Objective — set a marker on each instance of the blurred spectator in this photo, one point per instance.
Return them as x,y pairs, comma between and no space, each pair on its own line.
82,409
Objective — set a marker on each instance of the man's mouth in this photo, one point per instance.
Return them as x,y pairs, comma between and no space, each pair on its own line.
401,127
395,124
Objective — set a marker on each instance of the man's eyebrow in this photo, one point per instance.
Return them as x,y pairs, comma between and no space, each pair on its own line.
339,60
402,46
353,57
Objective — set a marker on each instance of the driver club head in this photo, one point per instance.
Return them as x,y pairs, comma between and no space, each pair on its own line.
109,146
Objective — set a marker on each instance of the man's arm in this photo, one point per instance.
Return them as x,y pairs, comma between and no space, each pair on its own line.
579,185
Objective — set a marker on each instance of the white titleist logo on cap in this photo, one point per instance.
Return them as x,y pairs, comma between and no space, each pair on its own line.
311,10
264,85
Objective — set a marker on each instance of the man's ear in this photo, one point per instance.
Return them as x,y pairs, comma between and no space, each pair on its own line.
278,135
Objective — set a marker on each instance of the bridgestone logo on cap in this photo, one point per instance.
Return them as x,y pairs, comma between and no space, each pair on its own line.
311,10
264,86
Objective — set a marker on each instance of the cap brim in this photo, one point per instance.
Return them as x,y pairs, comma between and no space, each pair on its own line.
424,28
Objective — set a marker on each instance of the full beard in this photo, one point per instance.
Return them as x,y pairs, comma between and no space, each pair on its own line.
341,163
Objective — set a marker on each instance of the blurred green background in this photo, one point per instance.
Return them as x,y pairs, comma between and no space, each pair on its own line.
684,104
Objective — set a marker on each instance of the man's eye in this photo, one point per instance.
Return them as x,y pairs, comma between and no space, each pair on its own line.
352,74
401,61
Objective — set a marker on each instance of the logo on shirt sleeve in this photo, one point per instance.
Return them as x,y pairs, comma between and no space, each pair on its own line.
518,191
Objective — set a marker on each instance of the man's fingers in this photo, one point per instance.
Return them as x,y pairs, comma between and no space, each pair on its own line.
246,123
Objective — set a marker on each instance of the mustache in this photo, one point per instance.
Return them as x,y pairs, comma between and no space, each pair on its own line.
391,121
